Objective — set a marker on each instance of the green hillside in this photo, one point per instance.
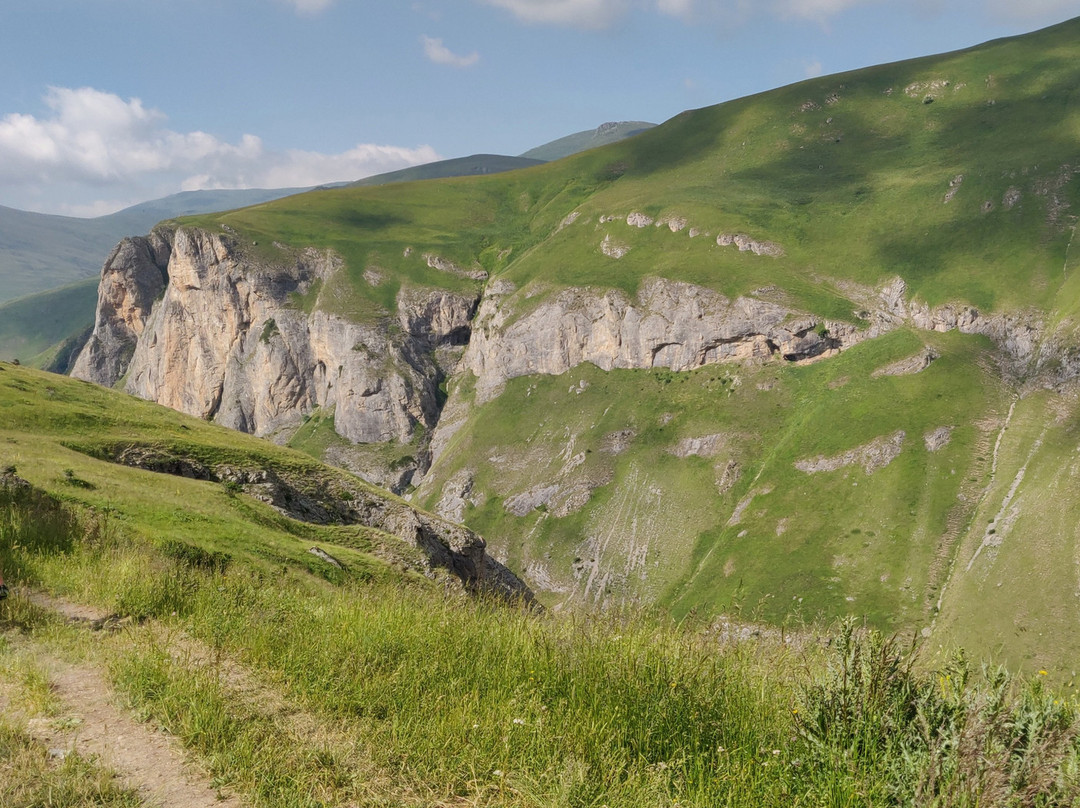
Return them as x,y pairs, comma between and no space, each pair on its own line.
188,484
954,173
151,606
43,330
848,173
588,139
473,165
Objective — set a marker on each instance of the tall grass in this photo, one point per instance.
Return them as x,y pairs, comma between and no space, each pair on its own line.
30,779
419,697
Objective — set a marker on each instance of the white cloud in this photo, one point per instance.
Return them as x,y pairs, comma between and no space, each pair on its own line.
598,14
96,143
310,6
437,52
578,13
813,69
816,9
675,8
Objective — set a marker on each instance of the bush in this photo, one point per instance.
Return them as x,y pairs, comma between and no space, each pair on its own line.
887,729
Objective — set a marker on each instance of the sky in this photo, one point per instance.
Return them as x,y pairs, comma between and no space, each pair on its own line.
107,103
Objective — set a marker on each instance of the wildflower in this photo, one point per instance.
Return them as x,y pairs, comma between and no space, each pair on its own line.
1042,673
498,773
776,752
519,721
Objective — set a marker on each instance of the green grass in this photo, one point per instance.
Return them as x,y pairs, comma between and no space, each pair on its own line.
34,329
798,552
61,435
31,779
378,694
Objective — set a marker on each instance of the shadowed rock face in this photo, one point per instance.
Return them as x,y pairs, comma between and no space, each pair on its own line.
134,276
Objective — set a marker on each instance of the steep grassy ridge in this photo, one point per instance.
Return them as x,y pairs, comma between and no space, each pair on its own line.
37,329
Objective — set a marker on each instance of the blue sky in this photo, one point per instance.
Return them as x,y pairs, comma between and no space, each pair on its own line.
105,103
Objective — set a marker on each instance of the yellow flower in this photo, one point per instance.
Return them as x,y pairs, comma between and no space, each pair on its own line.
1042,673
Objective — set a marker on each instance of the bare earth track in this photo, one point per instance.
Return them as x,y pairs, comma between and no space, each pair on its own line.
147,761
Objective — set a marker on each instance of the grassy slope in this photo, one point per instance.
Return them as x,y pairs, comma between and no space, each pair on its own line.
34,328
290,692
801,550
1029,568
455,167
51,425
849,174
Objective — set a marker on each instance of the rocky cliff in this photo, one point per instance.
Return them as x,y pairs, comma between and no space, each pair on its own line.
186,318
671,324
197,322
201,322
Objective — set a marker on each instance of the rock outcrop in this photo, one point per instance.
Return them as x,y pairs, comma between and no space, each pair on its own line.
329,498
133,279
671,324
195,324
872,456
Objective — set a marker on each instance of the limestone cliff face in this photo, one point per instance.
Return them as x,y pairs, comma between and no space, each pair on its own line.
1021,336
191,320
671,324
134,276
223,340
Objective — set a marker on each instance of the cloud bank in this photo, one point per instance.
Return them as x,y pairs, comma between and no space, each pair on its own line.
599,14
94,144
438,53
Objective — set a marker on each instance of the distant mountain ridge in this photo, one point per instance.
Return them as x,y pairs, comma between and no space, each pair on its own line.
40,251
471,166
47,261
606,133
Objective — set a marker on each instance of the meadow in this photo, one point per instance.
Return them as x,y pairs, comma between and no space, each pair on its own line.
292,691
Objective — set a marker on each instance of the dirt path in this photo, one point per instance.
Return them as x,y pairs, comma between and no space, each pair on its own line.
150,762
